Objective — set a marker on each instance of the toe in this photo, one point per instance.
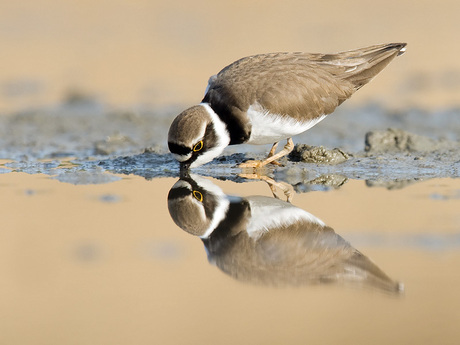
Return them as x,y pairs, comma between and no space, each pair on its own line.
277,163
250,164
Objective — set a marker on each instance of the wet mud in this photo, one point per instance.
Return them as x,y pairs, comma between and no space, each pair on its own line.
397,140
318,154
80,142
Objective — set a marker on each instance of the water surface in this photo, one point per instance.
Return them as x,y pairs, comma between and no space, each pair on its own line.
106,264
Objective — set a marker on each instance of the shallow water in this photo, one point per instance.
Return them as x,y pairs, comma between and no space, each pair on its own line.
105,263
93,247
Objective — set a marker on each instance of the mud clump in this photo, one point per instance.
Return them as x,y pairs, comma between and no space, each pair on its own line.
318,154
397,140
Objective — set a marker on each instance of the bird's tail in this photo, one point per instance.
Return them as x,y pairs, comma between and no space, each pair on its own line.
359,66
372,60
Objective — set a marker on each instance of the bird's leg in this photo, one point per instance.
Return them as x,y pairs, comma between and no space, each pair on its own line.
272,157
285,151
272,152
273,149
286,188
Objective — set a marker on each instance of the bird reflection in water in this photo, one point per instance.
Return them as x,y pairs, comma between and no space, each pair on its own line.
268,241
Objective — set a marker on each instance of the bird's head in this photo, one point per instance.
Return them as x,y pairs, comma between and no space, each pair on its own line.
197,205
197,136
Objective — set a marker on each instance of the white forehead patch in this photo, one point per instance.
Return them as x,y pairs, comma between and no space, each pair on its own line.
181,158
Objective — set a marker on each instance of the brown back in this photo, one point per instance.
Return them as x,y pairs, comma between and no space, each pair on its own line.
300,85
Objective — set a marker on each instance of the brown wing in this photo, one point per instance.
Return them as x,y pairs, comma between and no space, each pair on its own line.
298,254
301,85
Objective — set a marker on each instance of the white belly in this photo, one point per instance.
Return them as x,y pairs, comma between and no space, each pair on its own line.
270,128
269,214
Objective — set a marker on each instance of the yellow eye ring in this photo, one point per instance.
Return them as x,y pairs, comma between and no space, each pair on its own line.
198,196
198,146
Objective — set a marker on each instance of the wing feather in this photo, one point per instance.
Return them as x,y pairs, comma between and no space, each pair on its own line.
301,85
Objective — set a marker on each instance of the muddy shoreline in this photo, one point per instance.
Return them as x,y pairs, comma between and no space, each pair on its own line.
80,142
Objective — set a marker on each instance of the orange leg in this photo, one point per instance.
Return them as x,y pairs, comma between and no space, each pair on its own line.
272,157
286,188
272,152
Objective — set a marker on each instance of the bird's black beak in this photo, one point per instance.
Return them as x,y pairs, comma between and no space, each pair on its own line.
184,168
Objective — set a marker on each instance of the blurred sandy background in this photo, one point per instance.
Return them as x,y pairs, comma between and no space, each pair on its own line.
156,53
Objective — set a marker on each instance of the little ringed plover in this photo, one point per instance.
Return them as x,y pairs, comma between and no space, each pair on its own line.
267,98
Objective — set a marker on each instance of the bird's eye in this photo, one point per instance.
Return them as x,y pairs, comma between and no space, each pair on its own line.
198,196
198,146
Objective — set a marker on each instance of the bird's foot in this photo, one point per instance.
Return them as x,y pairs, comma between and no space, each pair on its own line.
271,158
286,188
250,164
258,164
